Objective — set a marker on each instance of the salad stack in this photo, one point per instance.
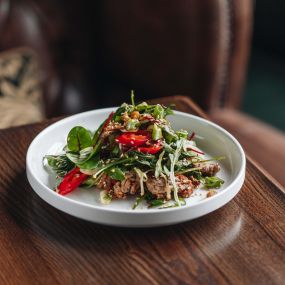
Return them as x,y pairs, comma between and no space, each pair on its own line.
135,152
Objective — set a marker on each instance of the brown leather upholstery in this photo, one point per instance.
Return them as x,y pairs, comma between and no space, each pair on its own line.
261,141
93,54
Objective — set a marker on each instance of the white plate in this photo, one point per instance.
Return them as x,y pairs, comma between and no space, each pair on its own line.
84,203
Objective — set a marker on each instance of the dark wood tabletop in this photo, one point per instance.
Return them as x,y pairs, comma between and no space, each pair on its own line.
241,243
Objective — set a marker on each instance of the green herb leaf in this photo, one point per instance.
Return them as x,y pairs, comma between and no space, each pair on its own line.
173,159
158,112
155,203
91,163
156,132
133,97
169,134
116,150
213,182
182,134
169,111
89,182
143,178
132,124
158,167
78,139
138,201
81,156
173,205
97,133
116,173
142,106
105,197
60,164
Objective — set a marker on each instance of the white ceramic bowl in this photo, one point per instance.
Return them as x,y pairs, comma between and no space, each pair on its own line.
84,203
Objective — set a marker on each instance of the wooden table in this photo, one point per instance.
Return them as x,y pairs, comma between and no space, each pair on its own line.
241,243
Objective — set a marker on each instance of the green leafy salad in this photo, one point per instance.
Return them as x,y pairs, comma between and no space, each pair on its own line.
135,152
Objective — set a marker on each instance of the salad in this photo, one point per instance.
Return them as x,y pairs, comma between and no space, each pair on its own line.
135,152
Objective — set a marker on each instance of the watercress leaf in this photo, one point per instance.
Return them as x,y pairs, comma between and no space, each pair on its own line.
78,139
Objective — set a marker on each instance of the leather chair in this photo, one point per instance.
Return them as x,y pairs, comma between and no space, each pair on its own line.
92,54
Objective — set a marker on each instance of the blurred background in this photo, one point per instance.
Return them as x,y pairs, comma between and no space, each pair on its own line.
264,94
64,57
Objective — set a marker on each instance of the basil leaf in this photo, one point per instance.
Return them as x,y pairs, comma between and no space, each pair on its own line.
213,182
78,139
116,173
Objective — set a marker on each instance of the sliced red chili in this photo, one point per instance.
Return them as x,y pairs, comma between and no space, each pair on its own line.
71,181
133,138
152,149
195,150
107,122
192,136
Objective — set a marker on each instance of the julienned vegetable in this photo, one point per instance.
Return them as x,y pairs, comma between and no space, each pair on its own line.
135,152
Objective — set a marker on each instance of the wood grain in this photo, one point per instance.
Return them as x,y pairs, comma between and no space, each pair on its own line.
241,243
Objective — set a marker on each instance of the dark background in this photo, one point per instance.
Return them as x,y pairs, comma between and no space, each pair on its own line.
264,95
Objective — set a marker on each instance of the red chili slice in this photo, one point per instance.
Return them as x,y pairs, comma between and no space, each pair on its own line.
71,181
107,122
192,136
153,149
133,138
195,150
